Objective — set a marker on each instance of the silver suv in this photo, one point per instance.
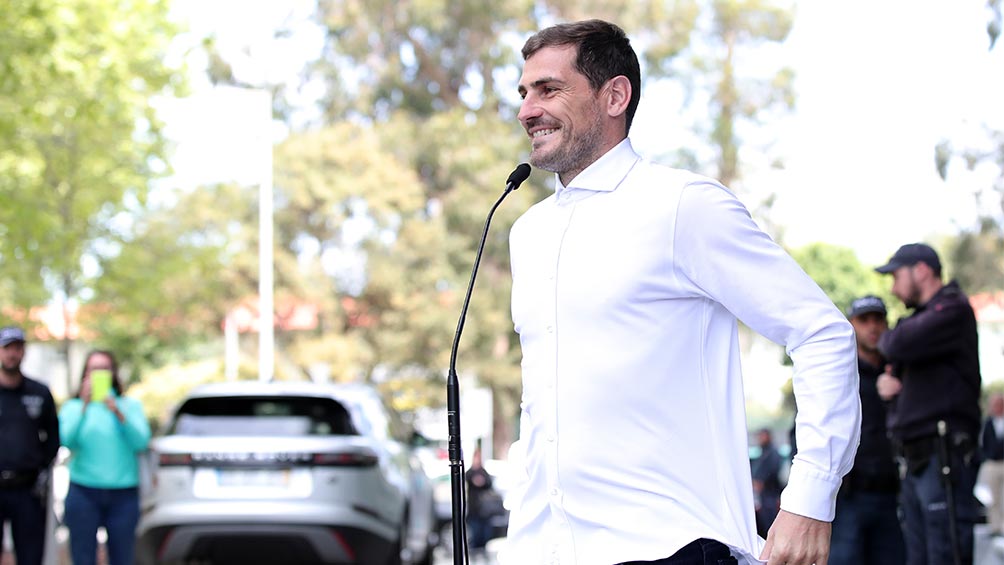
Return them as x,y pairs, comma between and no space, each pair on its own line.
285,473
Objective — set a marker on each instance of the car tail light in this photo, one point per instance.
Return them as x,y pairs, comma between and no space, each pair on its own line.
173,459
345,545
350,459
162,548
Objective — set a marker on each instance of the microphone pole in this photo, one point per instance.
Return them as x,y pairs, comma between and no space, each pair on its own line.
516,178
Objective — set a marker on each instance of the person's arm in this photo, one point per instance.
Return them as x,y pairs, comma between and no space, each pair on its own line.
720,251
516,460
71,419
930,333
986,439
133,423
50,446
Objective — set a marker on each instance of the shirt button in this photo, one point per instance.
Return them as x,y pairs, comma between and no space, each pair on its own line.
550,438
550,329
554,492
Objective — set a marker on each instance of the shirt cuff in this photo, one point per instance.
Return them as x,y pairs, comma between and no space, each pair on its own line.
810,493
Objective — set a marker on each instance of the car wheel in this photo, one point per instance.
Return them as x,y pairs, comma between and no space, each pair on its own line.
427,556
400,554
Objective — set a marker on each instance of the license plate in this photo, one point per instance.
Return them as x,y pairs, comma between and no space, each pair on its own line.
269,478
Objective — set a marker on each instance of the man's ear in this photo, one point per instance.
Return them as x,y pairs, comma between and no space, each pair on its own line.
924,271
618,95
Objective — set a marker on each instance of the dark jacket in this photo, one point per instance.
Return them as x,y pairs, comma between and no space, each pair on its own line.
875,468
934,353
991,444
29,427
479,492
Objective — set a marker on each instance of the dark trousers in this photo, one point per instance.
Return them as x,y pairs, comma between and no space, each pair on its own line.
479,531
116,510
698,552
26,513
925,512
866,530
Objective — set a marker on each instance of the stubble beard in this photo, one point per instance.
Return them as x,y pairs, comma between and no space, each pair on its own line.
574,152
912,298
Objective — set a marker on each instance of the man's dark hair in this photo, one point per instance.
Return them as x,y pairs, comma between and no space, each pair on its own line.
604,52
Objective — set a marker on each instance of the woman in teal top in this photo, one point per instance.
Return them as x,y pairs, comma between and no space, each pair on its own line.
105,432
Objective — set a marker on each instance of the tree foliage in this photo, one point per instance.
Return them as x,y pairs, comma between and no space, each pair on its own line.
843,277
379,203
976,256
78,137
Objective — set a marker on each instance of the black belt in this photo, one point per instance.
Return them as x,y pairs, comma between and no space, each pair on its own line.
918,451
17,479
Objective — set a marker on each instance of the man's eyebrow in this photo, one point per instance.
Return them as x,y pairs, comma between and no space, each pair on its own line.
539,82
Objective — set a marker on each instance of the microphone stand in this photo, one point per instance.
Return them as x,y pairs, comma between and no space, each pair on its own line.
459,502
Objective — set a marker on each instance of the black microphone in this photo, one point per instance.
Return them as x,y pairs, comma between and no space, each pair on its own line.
516,178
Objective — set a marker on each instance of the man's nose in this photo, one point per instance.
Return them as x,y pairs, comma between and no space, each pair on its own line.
528,110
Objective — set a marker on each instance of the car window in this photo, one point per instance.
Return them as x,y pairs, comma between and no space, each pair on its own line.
264,415
379,420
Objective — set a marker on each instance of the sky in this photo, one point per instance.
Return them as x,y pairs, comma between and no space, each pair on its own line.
879,84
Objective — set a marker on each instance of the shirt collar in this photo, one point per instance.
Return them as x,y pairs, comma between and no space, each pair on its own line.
603,174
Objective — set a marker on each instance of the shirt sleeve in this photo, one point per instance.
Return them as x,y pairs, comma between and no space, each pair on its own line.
928,334
50,446
516,458
136,427
724,255
71,416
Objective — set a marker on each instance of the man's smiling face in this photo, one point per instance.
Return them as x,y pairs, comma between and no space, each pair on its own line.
561,113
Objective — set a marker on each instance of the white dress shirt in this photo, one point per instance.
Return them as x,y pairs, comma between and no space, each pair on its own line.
626,289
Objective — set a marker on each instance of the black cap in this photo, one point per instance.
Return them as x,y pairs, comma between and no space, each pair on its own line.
866,305
10,334
911,254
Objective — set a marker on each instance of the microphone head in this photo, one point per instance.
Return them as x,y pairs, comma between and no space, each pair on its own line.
518,175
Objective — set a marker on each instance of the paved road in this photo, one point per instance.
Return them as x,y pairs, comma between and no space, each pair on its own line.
988,551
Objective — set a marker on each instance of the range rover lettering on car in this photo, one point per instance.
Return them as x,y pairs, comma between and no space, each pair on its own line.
285,473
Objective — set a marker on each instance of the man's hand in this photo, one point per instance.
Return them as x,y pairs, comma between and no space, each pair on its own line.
887,385
797,540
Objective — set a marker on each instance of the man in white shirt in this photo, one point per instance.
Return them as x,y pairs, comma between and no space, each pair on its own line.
627,286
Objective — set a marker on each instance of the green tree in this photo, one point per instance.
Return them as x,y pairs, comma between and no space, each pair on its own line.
843,277
163,285
418,133
976,255
737,102
975,258
78,136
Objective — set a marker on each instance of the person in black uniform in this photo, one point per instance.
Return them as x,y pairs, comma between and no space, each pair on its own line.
479,508
866,529
765,471
29,436
934,377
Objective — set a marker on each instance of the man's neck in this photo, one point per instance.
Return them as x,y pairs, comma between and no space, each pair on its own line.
872,357
10,379
602,149
929,290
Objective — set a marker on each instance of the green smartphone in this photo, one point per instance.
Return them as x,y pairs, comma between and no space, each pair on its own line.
101,383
